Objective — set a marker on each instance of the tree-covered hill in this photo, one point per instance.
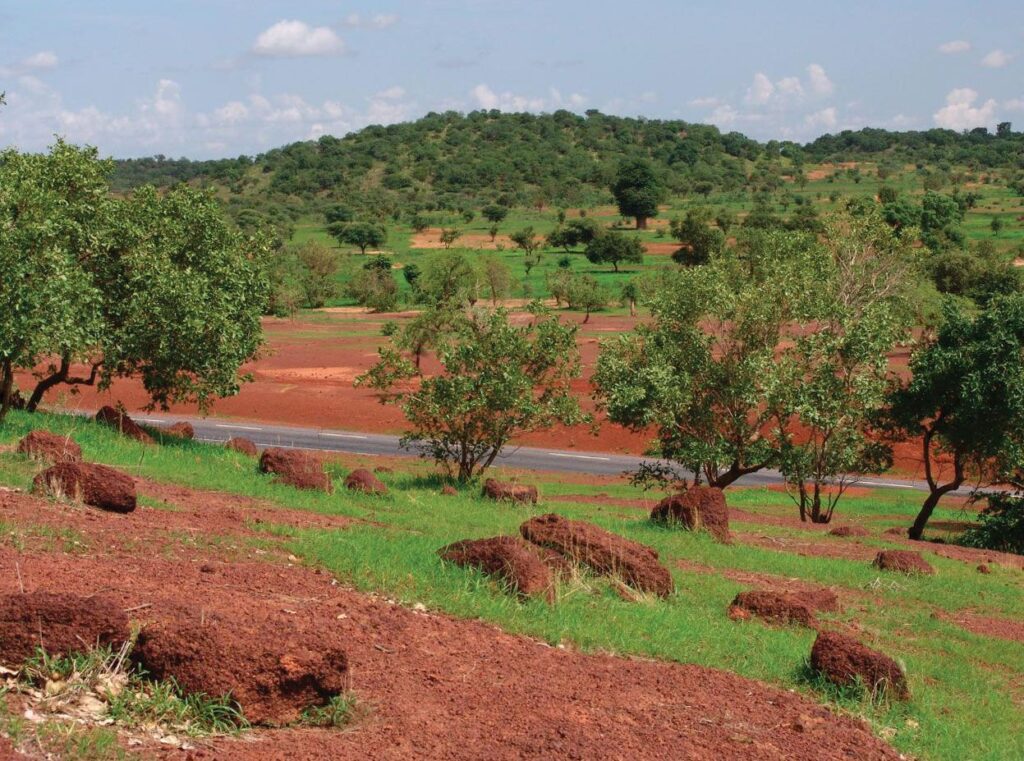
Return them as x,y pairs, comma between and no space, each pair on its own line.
453,160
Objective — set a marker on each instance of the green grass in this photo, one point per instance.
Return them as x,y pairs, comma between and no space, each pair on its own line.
967,688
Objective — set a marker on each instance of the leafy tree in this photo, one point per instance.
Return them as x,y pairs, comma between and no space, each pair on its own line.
638,191
374,288
584,293
1000,524
575,232
701,242
449,278
319,273
996,225
411,272
418,222
449,236
526,239
725,219
338,214
630,295
497,381
495,277
494,213
362,235
468,215
940,221
493,232
612,248
965,398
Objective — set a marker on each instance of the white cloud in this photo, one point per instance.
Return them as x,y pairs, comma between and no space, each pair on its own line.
954,46
488,99
44,59
1014,104
708,102
297,38
960,113
997,59
826,118
392,93
760,90
790,86
820,83
378,21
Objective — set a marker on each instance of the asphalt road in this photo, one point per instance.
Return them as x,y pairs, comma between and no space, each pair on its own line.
526,458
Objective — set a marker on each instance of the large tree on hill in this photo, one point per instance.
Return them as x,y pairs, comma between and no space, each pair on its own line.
638,191
612,248
154,286
362,235
497,381
965,399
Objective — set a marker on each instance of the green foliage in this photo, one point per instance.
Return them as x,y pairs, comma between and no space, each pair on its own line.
319,273
638,191
575,232
613,248
494,213
701,242
449,236
449,278
362,235
1000,527
494,277
497,381
374,288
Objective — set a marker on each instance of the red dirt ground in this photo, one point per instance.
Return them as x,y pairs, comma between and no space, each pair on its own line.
435,687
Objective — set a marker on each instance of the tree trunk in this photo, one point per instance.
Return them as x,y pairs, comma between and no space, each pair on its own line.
917,530
632,308
641,222
6,387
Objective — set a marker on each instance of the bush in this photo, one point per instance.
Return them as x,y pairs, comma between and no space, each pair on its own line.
1001,525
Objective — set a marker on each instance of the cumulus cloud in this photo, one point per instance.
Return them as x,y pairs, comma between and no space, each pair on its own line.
391,93
826,118
292,39
760,90
378,21
44,59
819,81
954,46
996,59
487,99
960,111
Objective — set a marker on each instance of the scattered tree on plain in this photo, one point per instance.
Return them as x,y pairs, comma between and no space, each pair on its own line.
638,191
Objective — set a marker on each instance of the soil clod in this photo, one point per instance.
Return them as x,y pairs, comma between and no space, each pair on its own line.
295,468
503,490
123,424
243,446
50,447
701,507
93,484
776,607
844,661
58,623
516,562
363,480
902,561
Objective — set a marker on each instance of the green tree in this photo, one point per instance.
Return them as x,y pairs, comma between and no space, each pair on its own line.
526,239
965,398
612,248
449,278
996,225
362,235
497,381
701,242
585,294
374,288
575,232
449,236
494,213
319,273
638,191
495,277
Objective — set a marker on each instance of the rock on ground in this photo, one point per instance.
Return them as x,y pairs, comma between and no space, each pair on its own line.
902,561
449,491
93,484
843,661
242,445
295,468
273,675
363,480
700,507
181,430
516,562
777,607
502,490
601,550
123,424
59,623
50,447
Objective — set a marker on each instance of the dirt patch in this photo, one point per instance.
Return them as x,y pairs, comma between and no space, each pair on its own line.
819,598
431,239
363,480
601,550
514,561
987,626
903,561
436,687
847,531
59,623
274,670
696,508
776,607
123,424
95,485
50,447
295,468
845,661
501,490
660,249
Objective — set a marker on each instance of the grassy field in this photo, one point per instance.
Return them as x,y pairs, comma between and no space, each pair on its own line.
996,201
967,688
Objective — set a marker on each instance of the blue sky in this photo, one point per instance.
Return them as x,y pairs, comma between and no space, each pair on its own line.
213,78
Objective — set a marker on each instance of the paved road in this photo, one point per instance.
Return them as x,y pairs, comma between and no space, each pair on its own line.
527,458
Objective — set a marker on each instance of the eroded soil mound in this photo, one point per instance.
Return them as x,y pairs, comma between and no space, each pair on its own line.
902,561
363,480
844,661
242,445
295,468
95,485
849,531
776,607
700,507
50,447
514,561
59,623
123,424
502,490
273,675
181,431
601,550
